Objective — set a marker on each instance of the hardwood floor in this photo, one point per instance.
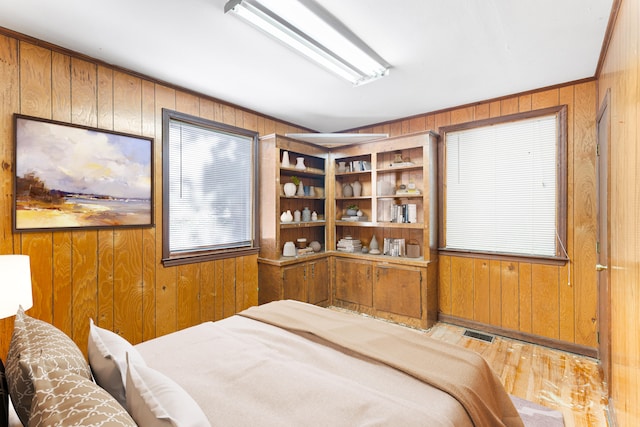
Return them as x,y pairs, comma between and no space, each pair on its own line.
563,381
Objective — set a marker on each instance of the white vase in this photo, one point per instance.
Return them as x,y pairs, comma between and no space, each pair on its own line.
300,189
289,249
357,189
342,167
373,246
347,190
296,216
285,160
286,216
300,163
289,189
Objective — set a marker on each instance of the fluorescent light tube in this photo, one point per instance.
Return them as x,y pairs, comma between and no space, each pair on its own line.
322,41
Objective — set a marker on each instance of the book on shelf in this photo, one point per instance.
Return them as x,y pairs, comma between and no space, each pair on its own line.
404,213
349,245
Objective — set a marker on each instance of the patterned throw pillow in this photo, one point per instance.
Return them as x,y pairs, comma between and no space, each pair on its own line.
66,399
4,398
33,338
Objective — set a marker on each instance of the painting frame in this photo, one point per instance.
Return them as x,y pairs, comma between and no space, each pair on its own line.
70,177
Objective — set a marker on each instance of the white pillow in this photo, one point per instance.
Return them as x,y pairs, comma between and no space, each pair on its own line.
154,400
108,360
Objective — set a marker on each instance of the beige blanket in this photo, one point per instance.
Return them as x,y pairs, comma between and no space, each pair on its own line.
461,373
244,372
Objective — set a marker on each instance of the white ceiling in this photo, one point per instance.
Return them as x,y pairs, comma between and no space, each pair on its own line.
444,53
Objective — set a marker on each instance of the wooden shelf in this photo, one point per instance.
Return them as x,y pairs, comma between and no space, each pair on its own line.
303,224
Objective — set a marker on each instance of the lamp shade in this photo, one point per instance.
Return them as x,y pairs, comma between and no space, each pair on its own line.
15,284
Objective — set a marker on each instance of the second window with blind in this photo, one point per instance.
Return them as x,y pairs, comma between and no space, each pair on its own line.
503,188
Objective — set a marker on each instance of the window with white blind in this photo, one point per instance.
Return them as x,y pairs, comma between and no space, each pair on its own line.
209,189
504,188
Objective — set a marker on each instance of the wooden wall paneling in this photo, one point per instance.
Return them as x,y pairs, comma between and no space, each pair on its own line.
544,300
462,286
544,99
219,289
85,244
127,103
444,284
239,288
417,124
568,315
62,240
462,115
509,295
187,103
9,103
481,291
495,292
442,119
106,252
495,109
105,97
166,310
228,291
585,214
127,284
509,106
208,291
229,117
62,282
524,297
85,289
188,295
482,111
524,103
60,87
105,280
250,281
149,233
35,100
39,247
35,80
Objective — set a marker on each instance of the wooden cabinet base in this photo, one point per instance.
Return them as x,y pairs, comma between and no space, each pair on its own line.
400,293
307,281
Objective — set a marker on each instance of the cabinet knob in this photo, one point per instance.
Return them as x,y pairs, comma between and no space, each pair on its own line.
600,267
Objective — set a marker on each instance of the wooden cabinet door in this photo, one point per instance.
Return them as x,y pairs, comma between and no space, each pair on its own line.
318,281
294,282
353,281
398,290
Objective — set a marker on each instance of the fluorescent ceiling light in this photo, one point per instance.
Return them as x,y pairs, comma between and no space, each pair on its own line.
312,31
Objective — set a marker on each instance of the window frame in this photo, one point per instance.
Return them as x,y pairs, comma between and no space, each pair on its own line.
561,255
187,257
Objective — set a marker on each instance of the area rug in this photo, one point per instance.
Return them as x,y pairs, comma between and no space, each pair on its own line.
534,415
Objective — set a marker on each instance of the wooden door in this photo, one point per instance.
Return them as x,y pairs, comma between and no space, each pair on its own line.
397,290
604,293
353,281
294,282
318,281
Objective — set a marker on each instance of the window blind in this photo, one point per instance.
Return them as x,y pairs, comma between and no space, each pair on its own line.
210,188
501,190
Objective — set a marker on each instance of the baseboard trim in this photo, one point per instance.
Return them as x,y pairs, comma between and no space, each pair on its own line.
522,336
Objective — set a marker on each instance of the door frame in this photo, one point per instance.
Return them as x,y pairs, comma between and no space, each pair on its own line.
603,186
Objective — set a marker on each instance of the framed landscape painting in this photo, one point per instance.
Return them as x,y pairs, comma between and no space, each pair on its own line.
69,176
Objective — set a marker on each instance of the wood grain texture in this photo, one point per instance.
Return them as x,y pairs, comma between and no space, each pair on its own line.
562,381
115,276
620,74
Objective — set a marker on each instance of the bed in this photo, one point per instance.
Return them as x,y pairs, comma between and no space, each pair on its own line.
289,363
